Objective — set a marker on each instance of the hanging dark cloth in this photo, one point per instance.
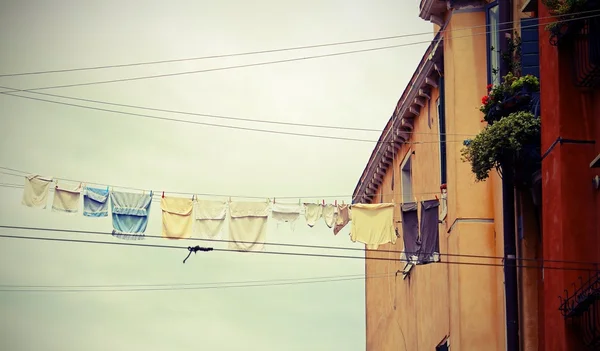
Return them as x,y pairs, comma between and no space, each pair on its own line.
430,232
410,231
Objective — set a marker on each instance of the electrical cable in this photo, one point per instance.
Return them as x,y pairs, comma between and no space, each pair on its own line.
363,250
271,62
253,52
222,116
219,125
478,264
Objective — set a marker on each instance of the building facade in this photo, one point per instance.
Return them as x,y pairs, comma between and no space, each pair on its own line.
570,110
458,301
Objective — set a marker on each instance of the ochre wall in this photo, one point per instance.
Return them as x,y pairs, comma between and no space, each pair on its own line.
437,300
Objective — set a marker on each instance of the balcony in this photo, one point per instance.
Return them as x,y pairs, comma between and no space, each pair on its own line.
582,309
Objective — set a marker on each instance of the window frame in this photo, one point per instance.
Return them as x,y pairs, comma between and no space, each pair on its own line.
407,159
489,33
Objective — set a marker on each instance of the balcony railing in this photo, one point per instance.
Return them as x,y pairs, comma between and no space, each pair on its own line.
582,308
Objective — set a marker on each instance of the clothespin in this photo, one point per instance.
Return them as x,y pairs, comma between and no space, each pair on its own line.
342,202
323,202
273,200
230,199
436,198
299,201
107,188
336,203
163,195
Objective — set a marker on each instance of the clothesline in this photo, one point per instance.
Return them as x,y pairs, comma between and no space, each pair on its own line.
372,224
156,191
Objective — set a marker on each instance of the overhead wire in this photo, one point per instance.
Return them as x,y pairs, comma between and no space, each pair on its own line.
303,246
256,52
294,59
12,93
302,254
224,117
270,131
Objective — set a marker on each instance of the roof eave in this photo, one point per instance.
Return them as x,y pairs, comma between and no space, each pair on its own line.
398,128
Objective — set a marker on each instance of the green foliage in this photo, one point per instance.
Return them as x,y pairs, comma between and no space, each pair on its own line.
500,141
509,86
526,81
562,8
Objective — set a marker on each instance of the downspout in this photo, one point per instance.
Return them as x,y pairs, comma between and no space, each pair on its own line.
508,206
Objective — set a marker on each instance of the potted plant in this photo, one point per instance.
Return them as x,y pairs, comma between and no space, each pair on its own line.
566,12
513,139
511,95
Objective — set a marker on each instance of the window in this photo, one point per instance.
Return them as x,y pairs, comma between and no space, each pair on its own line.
442,131
444,345
406,176
493,41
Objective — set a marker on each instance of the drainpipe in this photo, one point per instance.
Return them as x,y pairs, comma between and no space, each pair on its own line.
508,207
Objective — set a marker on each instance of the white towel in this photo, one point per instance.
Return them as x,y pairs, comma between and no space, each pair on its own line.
210,216
248,225
35,191
287,213
313,213
66,200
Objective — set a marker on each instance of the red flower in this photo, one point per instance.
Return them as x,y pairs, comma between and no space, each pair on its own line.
489,87
485,99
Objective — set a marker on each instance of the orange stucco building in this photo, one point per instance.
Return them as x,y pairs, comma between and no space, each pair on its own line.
460,300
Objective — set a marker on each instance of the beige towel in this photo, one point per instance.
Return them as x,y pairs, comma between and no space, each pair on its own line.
35,191
177,217
342,218
313,213
373,224
210,217
248,225
330,215
66,200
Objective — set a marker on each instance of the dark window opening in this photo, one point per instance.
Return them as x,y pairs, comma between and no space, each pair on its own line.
442,131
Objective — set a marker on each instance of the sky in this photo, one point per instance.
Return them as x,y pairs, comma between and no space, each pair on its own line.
358,90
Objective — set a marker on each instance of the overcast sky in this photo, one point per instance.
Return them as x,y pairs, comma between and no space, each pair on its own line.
355,90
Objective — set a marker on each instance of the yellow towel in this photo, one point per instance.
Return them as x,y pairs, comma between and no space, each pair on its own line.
373,224
176,217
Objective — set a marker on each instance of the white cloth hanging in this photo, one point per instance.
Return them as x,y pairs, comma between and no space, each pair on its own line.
248,225
330,215
313,213
209,218
286,213
35,191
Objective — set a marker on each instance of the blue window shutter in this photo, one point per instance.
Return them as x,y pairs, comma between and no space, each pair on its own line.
530,49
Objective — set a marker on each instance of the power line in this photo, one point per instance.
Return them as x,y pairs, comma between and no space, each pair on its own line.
179,288
190,284
217,125
300,254
272,62
218,116
363,250
260,51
